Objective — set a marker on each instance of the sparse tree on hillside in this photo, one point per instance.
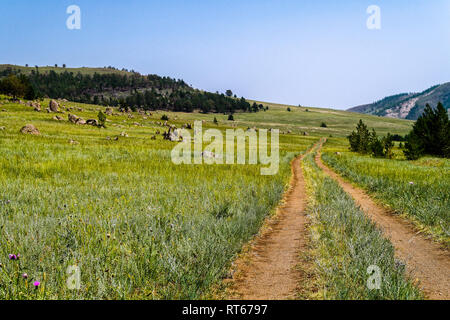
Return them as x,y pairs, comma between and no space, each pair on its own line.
229,93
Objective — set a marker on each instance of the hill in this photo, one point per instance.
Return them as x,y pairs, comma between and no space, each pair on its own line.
407,105
111,87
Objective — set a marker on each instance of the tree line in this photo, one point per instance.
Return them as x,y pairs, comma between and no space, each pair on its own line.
430,136
133,90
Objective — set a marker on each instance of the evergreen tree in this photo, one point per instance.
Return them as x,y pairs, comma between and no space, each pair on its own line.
360,140
430,134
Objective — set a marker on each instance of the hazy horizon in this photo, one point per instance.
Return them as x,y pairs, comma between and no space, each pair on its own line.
287,52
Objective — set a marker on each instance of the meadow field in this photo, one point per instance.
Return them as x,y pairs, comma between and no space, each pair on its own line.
135,224
110,202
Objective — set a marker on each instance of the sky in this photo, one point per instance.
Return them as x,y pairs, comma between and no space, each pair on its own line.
314,53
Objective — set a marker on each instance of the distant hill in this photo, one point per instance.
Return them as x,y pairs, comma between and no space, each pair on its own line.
109,86
407,105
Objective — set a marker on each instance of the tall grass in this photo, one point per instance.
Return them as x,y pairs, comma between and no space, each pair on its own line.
420,189
346,243
137,226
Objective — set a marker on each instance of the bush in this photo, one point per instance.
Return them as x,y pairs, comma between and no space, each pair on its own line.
164,118
323,125
289,109
101,119
230,117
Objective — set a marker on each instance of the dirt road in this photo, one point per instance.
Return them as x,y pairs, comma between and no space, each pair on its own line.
425,260
269,272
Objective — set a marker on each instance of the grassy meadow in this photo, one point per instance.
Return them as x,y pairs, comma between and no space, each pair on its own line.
419,190
137,226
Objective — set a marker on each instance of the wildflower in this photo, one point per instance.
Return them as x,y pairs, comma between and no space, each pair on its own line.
36,284
13,257
25,276
411,183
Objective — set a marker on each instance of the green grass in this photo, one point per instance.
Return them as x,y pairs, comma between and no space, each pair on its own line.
419,190
345,243
339,123
138,226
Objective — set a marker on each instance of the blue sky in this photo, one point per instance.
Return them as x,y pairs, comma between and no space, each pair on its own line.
315,53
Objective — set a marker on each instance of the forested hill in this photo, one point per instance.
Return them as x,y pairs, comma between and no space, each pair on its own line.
408,105
113,87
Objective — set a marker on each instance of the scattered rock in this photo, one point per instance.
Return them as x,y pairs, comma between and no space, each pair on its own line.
58,118
109,111
30,129
153,138
2,128
53,106
172,135
124,134
92,122
75,119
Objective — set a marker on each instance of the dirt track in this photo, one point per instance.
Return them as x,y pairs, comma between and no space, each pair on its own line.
269,271
425,259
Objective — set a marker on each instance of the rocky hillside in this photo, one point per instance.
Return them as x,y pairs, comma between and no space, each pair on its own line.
408,105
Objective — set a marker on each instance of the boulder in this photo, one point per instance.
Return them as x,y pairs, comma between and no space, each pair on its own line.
73,118
109,111
92,122
53,106
2,128
58,118
172,135
30,129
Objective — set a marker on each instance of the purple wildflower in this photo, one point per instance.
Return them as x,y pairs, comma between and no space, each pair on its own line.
13,257
36,284
25,276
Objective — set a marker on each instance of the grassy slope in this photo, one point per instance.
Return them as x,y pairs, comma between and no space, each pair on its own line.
60,69
340,123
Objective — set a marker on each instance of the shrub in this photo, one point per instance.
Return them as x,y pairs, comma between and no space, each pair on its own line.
323,125
164,118
101,119
230,117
